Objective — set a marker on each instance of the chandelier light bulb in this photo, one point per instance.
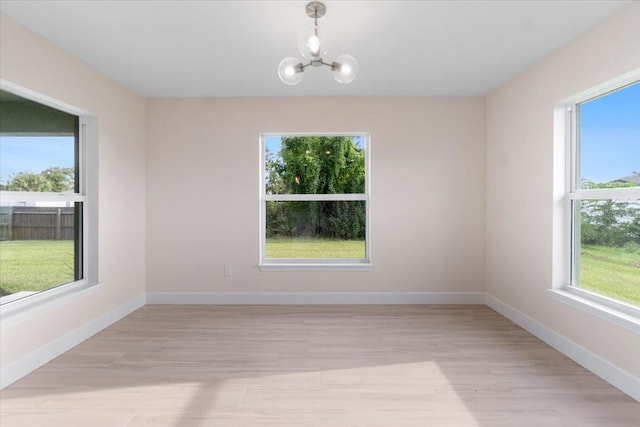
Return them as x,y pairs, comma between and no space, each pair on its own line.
291,70
312,43
344,69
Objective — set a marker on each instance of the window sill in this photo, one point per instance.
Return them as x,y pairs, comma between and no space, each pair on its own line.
619,317
19,310
315,267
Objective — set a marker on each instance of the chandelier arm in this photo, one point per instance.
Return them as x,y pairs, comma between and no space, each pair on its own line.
303,66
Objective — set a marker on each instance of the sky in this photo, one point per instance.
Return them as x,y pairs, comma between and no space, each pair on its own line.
610,135
34,154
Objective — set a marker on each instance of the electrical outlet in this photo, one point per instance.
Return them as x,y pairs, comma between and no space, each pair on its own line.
228,269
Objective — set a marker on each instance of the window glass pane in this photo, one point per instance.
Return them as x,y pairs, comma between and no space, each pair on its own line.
334,229
38,146
38,163
609,253
40,247
314,164
609,139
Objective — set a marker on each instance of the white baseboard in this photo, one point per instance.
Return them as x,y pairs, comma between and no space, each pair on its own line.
32,361
316,298
623,380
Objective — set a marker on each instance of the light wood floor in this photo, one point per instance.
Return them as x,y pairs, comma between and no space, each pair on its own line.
314,366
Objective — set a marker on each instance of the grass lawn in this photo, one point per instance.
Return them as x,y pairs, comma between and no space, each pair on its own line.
614,272
314,248
35,265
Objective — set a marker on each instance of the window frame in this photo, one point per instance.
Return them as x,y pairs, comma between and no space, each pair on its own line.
567,193
314,264
86,192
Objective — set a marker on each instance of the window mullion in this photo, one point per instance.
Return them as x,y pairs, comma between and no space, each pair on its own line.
33,196
314,197
574,269
631,193
81,158
573,117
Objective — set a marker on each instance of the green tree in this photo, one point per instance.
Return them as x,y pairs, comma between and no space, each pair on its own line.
54,179
276,212
609,222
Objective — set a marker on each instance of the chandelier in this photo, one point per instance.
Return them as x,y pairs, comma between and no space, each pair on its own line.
312,46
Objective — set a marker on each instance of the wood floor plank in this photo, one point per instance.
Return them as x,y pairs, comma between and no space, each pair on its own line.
314,366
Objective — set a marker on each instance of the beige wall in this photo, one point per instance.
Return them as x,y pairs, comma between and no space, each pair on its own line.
427,192
433,178
519,183
35,64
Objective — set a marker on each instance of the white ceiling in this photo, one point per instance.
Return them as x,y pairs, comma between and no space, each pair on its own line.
233,48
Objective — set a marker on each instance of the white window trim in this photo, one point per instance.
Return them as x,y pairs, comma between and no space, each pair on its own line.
564,193
598,306
312,264
31,305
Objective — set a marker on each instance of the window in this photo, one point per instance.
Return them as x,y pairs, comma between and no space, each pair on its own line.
44,207
604,196
315,201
